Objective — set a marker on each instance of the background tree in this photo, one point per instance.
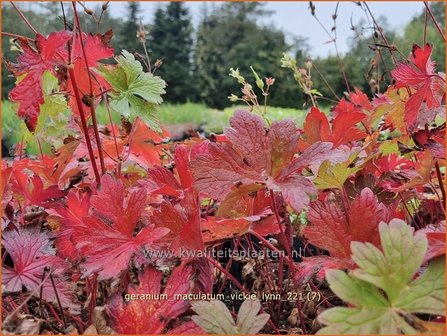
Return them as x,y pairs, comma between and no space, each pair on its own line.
127,34
230,36
412,34
171,40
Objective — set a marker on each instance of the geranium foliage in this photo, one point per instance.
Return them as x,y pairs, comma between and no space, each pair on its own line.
118,229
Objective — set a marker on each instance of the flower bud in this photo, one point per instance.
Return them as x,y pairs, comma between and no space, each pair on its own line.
233,98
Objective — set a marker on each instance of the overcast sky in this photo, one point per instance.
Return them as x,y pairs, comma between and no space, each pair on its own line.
295,18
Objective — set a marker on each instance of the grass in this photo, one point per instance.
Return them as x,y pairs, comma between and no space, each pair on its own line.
211,120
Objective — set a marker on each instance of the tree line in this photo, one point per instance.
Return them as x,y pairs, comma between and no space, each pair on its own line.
195,63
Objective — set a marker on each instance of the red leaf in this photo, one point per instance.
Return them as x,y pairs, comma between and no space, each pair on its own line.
421,77
5,190
257,156
250,203
436,240
183,221
316,128
181,160
110,202
145,146
96,49
162,181
151,316
31,251
317,266
360,99
328,229
32,63
109,248
295,189
76,209
248,137
32,190
333,230
215,230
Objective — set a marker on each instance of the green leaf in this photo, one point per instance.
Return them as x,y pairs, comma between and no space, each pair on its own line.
215,318
54,115
355,291
334,175
382,291
248,320
135,93
401,258
361,321
427,293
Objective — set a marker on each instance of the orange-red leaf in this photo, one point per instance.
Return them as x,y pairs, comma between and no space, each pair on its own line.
151,316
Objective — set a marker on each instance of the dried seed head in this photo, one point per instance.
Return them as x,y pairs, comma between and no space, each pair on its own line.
308,64
105,6
88,11
142,33
158,63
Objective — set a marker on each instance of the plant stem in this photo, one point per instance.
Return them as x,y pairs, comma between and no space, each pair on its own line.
434,20
16,36
91,99
58,301
83,123
441,183
23,17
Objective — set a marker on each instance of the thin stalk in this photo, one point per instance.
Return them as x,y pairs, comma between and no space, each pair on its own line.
106,102
58,301
63,15
23,17
84,123
16,36
385,40
34,292
278,219
441,183
425,25
21,148
440,31
40,148
91,100
325,82
41,292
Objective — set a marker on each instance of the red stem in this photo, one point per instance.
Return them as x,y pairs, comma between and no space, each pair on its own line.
83,123
21,148
58,301
434,21
16,36
91,98
278,219
441,183
40,148
23,17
